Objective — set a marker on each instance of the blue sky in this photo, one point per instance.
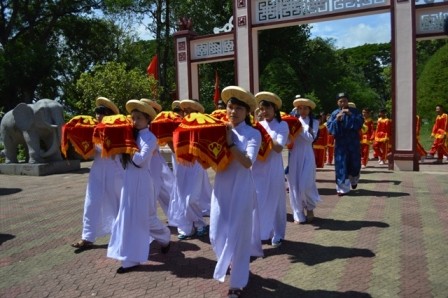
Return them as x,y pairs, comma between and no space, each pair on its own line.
355,31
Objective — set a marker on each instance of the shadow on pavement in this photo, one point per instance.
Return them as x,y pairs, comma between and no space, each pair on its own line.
325,180
175,261
81,171
376,193
363,193
326,191
345,225
6,237
375,172
95,246
313,254
268,287
365,181
9,191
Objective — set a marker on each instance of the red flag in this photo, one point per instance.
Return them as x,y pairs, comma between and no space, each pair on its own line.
217,95
153,68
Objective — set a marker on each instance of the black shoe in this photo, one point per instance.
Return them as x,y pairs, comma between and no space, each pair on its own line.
122,270
354,186
166,249
277,243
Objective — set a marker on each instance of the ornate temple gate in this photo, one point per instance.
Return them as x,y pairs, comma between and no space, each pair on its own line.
238,40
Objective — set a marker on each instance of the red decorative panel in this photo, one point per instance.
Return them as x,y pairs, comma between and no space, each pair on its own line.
242,21
181,46
182,57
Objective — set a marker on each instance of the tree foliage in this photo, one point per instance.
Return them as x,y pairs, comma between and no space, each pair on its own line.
277,77
112,80
45,45
204,15
425,50
368,63
292,63
432,87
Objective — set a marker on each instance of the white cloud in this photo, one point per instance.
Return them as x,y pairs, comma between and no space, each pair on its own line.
352,32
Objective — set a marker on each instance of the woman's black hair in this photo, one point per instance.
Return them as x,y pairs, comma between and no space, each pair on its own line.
236,101
126,157
277,115
102,110
311,115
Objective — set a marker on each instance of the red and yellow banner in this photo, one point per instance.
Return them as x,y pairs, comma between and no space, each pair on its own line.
220,115
164,125
115,134
78,132
266,142
295,128
201,138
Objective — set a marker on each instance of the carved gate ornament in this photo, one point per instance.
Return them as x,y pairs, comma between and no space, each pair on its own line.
266,11
226,28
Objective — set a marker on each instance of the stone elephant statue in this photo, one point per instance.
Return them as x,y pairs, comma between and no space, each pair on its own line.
37,127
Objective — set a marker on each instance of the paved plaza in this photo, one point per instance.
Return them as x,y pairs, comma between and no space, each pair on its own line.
388,238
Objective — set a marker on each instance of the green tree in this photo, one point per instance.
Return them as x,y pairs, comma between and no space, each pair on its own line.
31,33
370,60
88,43
113,81
161,27
207,72
281,60
276,78
424,51
323,72
432,87
204,15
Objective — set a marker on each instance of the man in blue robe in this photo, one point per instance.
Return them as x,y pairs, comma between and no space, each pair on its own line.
345,124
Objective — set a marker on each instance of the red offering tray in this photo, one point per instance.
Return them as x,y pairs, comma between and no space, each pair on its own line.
295,128
164,125
266,142
115,134
220,114
202,138
78,132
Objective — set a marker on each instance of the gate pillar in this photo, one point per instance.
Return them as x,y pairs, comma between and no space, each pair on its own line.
244,51
186,72
403,156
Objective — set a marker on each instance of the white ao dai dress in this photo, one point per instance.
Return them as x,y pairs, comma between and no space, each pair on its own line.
302,171
102,196
269,177
130,237
232,234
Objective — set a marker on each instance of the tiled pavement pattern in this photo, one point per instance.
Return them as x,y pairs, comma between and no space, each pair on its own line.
388,238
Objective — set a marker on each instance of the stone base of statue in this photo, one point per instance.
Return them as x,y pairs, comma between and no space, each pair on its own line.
40,169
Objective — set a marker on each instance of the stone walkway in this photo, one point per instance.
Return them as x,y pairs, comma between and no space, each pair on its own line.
389,238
